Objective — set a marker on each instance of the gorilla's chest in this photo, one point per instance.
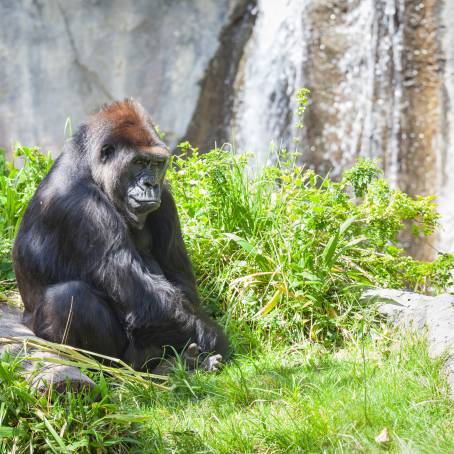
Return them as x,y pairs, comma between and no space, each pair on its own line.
143,242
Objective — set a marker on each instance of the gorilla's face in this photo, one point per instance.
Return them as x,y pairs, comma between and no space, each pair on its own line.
137,192
145,177
129,161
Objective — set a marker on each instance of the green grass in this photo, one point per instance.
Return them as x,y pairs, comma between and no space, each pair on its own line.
305,399
309,400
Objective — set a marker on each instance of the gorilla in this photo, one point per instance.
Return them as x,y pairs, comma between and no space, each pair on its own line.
99,258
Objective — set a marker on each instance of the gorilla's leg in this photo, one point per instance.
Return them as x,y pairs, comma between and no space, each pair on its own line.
73,313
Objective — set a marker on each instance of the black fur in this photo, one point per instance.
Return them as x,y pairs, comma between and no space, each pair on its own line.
89,279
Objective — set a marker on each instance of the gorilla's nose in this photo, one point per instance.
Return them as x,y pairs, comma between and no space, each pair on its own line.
147,182
149,188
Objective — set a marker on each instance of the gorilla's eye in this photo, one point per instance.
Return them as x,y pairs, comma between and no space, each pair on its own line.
141,162
107,151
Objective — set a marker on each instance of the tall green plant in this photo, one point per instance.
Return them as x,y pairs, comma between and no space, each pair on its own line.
280,250
19,179
288,251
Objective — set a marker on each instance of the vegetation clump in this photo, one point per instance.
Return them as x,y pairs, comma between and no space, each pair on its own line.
19,179
287,251
282,256
280,251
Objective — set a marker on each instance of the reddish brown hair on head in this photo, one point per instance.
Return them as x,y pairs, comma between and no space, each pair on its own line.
127,122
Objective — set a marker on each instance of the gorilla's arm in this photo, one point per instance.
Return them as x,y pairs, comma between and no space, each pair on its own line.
155,308
155,311
169,248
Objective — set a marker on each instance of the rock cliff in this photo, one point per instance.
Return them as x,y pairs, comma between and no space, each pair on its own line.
381,74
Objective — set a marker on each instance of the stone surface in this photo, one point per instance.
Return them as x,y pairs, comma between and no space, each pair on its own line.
419,312
63,59
42,374
381,74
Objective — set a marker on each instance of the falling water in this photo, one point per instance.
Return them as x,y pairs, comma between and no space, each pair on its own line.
269,77
367,105
358,113
446,171
373,67
364,109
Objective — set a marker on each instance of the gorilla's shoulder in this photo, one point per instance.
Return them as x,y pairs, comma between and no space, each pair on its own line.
71,198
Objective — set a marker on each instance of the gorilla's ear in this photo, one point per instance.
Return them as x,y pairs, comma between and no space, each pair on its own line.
79,138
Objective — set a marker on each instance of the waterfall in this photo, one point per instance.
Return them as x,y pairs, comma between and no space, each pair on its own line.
368,99
375,70
284,50
269,76
446,171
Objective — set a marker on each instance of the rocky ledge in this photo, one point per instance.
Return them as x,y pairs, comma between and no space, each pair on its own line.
42,374
416,312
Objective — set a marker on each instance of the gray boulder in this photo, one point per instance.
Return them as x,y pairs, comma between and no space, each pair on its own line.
417,312
41,374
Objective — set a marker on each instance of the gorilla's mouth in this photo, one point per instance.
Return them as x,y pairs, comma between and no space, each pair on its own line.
144,195
143,204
